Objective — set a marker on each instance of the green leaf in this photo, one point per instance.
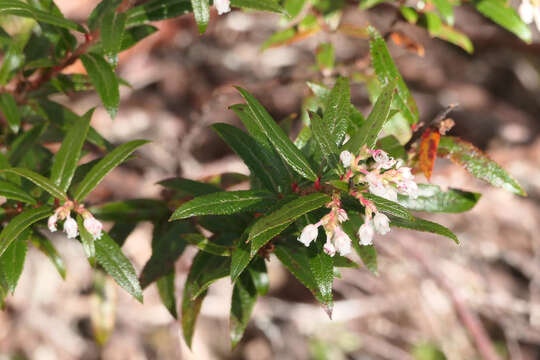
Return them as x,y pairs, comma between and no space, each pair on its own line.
66,159
478,164
104,80
326,144
501,13
251,152
273,224
166,249
12,262
201,12
112,33
14,192
110,256
259,274
167,293
322,268
387,71
224,203
432,199
389,207
133,210
243,300
409,13
24,143
446,10
392,146
21,222
187,187
205,269
240,257
45,246
135,34
9,110
369,132
14,57
286,149
436,28
207,245
103,167
39,180
87,241
325,56
337,109
157,10
103,8
19,8
423,225
263,5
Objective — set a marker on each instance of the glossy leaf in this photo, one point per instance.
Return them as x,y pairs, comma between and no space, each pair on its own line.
259,274
326,144
478,164
387,71
110,256
263,5
423,225
103,8
40,180
21,222
12,262
337,109
167,292
207,245
432,199
500,12
19,8
389,207
187,187
224,203
9,110
243,300
103,167
112,33
87,241
104,80
133,210
369,132
157,10
14,192
283,145
273,224
24,143
46,246
201,12
240,257
66,159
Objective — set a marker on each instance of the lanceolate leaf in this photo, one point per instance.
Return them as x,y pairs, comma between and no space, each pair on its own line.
133,210
12,261
9,109
87,241
273,224
45,245
102,168
427,152
322,268
326,144
104,80
103,8
387,71
20,223
14,192
157,10
259,274
24,143
337,109
110,256
250,151
478,164
240,258
389,207
446,10
432,199
40,181
167,292
500,12
224,203
112,33
286,149
187,187
243,299
368,133
423,225
207,245
19,8
201,11
264,5
66,159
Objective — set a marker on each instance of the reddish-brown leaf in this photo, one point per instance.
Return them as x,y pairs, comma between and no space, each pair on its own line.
427,152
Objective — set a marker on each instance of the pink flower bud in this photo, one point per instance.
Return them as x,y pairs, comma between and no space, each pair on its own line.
222,6
381,223
309,233
70,228
53,219
346,158
342,215
365,233
382,159
93,226
329,248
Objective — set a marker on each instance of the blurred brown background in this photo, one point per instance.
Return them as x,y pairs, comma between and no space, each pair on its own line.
182,83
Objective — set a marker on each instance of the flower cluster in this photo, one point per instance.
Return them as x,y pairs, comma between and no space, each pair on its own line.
63,213
529,11
371,171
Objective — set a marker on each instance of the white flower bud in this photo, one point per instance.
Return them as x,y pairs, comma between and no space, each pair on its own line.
399,163
365,233
70,228
526,11
380,156
53,219
381,223
309,233
346,158
329,248
222,6
342,241
93,226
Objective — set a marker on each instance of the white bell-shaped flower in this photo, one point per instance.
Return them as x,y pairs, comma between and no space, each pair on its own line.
346,158
70,227
381,223
365,233
342,242
309,233
93,226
